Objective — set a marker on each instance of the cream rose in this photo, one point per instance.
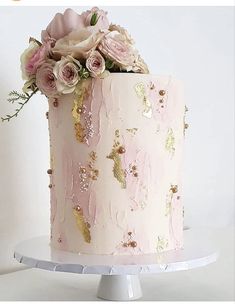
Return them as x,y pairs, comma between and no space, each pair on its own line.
115,47
78,44
67,76
95,64
123,32
140,66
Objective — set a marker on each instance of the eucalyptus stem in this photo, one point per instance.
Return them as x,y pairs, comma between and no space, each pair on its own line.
25,97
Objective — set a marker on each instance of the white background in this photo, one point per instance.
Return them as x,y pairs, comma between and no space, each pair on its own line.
195,44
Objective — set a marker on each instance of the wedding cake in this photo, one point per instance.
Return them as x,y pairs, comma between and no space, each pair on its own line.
116,138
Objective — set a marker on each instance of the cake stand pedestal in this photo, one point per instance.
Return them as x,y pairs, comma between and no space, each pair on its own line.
119,274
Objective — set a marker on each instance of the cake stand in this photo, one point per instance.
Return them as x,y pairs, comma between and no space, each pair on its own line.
119,274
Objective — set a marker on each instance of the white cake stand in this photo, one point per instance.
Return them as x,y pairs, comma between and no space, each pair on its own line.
119,280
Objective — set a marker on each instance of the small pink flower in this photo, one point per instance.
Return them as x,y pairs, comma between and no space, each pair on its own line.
45,79
95,64
115,47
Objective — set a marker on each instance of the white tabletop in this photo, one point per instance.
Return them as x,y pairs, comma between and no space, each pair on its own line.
213,282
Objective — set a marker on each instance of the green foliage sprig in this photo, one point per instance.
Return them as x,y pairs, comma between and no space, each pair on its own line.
21,99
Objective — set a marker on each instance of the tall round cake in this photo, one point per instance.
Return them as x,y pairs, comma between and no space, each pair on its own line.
116,138
116,164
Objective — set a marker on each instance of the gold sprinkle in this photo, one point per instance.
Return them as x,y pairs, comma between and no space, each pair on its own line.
49,171
47,115
133,244
174,188
121,150
186,126
55,104
83,226
50,186
162,92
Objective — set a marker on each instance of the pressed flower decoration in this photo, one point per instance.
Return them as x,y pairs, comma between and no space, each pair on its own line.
74,47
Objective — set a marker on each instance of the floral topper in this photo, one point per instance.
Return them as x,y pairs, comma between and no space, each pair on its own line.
75,47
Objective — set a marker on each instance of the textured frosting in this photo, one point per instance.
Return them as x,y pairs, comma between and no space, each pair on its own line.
116,160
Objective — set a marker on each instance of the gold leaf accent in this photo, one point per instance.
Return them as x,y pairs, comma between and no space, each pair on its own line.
83,226
132,131
141,93
118,172
79,132
162,243
170,141
78,103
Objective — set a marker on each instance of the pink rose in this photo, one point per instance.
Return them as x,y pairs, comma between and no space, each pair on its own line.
67,76
77,44
63,24
115,47
95,64
45,79
37,59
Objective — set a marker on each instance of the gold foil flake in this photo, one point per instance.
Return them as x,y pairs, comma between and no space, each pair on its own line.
170,142
83,132
162,243
83,226
93,156
141,93
140,90
132,131
118,172
117,133
79,132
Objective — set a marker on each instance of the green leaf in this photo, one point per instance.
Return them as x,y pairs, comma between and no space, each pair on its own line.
109,64
84,73
94,19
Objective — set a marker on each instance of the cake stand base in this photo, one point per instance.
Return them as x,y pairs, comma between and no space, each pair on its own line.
119,274
119,287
